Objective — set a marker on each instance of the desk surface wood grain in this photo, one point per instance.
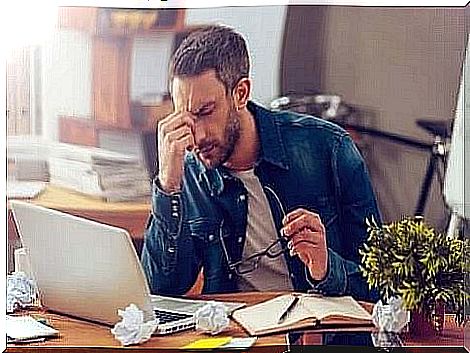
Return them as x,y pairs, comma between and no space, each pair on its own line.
65,199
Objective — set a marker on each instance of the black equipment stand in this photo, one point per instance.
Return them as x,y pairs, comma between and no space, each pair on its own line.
441,131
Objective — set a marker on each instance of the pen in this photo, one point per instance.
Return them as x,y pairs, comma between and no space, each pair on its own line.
289,309
25,340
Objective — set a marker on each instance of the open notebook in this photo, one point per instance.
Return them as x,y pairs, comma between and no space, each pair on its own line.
310,311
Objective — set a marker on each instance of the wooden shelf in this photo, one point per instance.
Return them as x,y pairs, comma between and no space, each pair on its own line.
112,32
125,22
129,22
111,66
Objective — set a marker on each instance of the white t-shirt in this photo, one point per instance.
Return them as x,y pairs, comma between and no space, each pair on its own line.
271,274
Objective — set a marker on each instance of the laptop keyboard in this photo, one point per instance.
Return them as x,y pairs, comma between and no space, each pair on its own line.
166,316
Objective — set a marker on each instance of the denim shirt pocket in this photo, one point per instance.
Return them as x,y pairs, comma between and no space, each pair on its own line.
205,229
214,238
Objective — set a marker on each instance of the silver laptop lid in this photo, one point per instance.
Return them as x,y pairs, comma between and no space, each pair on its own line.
82,268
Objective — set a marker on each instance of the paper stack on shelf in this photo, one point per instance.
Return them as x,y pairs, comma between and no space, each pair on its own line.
98,172
27,158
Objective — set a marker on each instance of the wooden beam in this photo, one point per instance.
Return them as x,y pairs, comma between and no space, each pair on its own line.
78,131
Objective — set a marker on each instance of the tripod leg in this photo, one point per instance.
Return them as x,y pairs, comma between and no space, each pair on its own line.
423,196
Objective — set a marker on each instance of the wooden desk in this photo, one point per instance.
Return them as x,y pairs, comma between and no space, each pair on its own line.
77,334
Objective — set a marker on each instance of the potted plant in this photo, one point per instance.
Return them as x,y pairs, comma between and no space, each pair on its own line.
409,259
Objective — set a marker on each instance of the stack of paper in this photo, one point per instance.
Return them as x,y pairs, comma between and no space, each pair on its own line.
99,172
27,158
124,142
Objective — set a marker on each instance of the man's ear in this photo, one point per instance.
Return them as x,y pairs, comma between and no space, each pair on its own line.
241,93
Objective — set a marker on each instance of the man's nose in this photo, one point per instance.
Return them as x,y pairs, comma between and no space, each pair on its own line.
199,132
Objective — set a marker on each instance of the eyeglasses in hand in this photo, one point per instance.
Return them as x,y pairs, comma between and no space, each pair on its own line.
275,249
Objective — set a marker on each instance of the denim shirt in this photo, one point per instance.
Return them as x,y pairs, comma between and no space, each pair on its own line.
304,162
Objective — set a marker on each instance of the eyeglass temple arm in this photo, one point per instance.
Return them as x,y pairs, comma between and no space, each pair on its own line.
231,265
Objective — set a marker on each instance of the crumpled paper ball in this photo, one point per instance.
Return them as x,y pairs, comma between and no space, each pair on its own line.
132,329
22,291
212,318
390,317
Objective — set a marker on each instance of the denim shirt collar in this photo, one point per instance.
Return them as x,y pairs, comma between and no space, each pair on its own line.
271,150
271,144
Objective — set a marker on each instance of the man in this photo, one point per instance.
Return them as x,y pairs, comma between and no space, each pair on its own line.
260,200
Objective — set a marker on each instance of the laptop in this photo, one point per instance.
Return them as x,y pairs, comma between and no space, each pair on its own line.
89,270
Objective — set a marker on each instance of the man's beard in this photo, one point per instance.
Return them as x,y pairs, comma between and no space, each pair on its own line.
225,149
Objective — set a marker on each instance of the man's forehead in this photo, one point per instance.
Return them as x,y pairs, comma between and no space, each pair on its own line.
193,92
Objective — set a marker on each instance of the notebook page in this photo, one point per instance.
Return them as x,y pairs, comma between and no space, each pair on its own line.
265,316
322,307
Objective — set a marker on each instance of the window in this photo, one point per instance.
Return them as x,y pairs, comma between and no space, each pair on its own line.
23,92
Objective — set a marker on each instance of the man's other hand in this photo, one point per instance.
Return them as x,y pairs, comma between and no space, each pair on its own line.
307,239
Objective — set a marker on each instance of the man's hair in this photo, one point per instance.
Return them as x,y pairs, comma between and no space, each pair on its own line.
215,47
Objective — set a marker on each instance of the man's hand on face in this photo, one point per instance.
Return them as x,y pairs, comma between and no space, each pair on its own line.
174,135
307,239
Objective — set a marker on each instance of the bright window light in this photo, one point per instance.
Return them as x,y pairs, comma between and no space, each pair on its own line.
27,23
